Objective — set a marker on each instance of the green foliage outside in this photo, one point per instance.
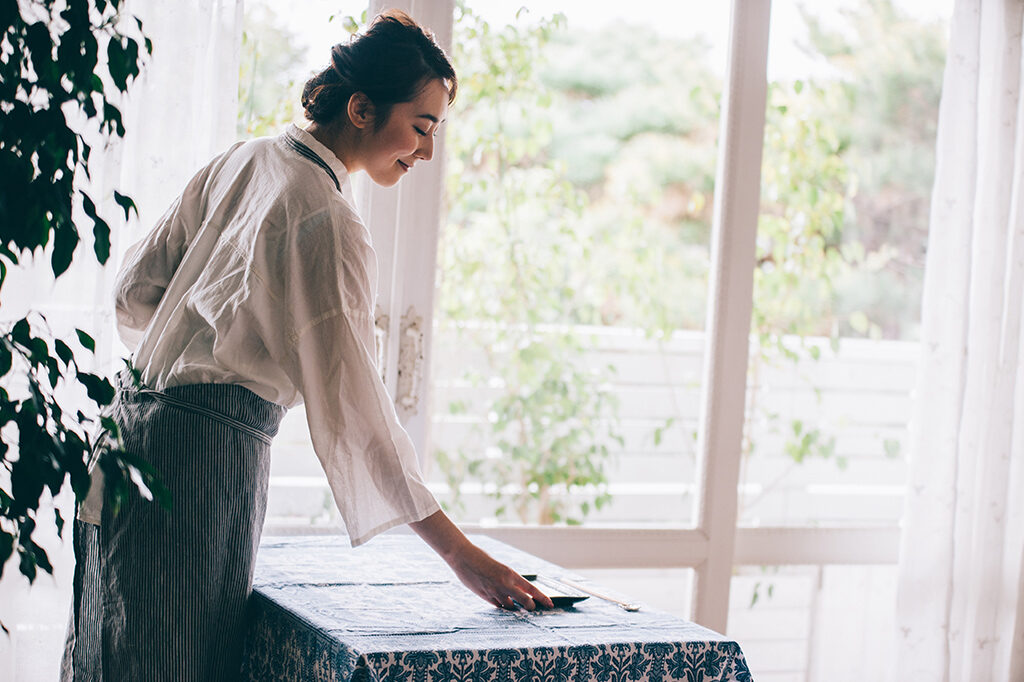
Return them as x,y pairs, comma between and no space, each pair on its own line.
269,82
846,182
513,226
62,69
884,105
630,119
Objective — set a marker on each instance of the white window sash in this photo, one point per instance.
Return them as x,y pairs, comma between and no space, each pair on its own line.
730,301
404,222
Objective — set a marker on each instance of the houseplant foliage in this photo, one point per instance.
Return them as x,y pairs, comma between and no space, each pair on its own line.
62,67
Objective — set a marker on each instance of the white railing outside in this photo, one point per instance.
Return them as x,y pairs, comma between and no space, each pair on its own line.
860,395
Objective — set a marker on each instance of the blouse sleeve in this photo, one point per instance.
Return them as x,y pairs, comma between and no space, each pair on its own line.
327,349
145,273
150,263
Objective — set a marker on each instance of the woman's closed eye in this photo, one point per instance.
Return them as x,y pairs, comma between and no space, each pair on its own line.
420,131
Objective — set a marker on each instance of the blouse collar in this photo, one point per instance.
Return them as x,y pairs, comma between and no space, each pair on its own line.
326,155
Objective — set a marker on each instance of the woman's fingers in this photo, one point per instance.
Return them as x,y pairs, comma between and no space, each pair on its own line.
526,601
495,582
529,595
541,598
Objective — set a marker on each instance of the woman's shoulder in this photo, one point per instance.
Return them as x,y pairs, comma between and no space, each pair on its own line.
268,171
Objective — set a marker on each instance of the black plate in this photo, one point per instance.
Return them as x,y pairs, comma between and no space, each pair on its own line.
561,595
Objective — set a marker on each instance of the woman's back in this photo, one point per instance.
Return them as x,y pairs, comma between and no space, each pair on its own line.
225,280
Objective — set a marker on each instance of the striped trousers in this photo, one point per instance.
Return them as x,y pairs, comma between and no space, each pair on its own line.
160,594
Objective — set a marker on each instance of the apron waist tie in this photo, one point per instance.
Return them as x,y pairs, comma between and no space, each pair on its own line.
206,412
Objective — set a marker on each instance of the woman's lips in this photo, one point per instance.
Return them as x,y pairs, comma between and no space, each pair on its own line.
404,165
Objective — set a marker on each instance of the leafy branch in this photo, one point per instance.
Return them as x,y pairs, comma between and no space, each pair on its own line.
63,67
52,444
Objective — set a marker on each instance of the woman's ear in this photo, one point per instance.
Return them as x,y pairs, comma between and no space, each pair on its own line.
360,110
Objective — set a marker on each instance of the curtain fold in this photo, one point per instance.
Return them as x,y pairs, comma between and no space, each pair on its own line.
960,610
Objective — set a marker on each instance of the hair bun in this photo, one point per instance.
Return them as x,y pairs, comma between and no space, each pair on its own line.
389,63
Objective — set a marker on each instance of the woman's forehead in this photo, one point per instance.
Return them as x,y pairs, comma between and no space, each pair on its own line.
431,102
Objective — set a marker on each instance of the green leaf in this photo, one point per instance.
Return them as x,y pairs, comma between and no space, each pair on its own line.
9,14
39,351
98,388
132,56
79,472
6,547
86,340
27,564
53,373
101,240
126,204
110,425
64,352
859,321
117,64
40,557
112,119
21,332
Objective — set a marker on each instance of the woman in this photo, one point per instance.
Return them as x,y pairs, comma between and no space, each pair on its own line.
254,293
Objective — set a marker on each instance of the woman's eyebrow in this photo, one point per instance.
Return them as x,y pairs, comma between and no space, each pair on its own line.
430,117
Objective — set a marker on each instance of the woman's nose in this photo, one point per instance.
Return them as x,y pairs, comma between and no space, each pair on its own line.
426,150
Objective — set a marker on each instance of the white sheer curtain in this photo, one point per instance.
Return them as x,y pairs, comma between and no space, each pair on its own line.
960,613
184,108
179,114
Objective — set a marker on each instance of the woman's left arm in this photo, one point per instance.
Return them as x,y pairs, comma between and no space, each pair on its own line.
492,580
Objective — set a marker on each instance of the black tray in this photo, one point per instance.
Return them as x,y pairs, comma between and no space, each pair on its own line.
560,594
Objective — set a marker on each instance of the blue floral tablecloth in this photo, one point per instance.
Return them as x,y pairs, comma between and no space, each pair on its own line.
392,610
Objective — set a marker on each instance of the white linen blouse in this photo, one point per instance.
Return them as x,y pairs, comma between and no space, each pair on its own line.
262,274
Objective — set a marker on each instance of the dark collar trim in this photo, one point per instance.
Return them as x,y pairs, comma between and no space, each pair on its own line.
305,151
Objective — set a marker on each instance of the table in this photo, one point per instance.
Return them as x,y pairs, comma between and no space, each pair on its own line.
392,610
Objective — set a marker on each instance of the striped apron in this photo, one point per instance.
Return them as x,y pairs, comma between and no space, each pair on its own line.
160,594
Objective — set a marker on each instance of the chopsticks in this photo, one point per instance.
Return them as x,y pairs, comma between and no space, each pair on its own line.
624,605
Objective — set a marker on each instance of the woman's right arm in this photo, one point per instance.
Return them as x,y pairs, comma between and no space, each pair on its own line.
147,269
486,577
370,461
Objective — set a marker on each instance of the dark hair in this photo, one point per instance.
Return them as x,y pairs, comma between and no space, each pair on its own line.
389,63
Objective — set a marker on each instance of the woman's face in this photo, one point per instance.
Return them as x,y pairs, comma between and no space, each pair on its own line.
408,135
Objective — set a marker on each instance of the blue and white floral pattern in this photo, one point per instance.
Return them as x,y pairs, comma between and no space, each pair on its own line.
392,611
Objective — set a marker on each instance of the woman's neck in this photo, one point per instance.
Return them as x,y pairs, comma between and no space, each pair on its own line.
340,141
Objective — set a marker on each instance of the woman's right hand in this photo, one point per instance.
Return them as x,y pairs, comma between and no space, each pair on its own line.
486,577
495,582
